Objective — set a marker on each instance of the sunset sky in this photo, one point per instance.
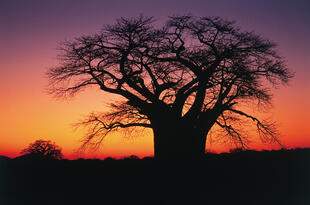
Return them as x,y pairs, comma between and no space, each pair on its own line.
31,30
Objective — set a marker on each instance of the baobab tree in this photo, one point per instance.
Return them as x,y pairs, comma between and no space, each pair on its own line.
180,80
43,148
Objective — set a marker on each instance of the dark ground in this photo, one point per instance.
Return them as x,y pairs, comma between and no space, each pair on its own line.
249,177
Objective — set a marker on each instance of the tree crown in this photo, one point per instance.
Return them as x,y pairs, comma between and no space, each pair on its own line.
188,68
43,148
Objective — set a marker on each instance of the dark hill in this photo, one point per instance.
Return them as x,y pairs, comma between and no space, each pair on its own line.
4,158
248,177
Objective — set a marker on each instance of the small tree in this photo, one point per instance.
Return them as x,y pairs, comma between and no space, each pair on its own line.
43,148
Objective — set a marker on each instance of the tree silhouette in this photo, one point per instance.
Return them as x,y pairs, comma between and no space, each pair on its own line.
43,148
180,80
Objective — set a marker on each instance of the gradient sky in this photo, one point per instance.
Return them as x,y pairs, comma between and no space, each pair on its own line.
30,31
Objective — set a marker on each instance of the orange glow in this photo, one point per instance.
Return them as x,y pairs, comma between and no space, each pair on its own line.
28,47
30,114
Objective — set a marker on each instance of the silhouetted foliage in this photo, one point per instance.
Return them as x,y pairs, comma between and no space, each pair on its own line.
3,158
180,80
236,150
248,177
131,157
43,149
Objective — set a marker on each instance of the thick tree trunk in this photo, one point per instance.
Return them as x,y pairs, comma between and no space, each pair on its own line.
177,141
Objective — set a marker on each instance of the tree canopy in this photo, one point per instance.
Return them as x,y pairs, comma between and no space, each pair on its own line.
193,73
43,148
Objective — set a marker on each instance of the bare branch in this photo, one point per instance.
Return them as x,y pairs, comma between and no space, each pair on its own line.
100,125
267,130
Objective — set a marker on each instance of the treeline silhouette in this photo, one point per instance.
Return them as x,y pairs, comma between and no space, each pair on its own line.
245,177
